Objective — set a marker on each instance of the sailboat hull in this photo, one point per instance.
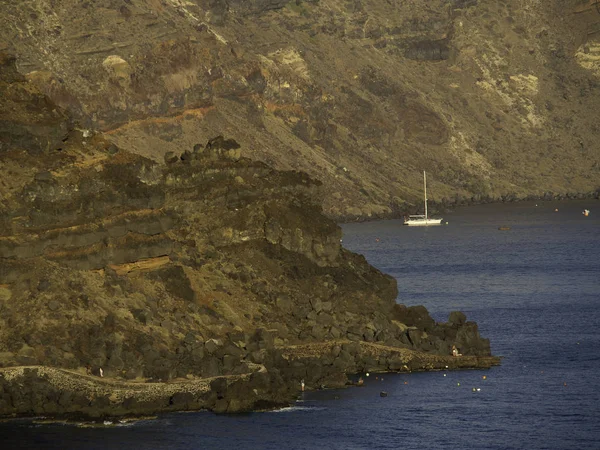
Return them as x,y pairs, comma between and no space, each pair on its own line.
422,222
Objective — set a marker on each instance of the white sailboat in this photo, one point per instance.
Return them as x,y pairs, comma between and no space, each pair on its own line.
422,220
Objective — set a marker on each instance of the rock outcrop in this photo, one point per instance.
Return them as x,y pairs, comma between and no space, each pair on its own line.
211,281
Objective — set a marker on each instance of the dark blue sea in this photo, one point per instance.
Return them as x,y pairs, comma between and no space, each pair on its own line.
534,290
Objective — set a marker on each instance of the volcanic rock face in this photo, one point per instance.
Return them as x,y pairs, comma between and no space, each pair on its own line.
492,98
26,128
211,265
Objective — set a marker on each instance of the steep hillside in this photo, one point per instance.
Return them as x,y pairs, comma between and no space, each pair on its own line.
492,98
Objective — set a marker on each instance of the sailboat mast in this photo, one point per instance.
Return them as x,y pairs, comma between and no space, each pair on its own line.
425,193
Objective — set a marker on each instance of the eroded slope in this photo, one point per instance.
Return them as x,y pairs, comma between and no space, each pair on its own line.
491,98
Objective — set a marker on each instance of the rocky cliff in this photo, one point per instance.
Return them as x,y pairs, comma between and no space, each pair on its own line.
493,98
208,270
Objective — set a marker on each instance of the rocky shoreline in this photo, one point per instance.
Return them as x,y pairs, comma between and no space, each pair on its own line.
447,204
55,393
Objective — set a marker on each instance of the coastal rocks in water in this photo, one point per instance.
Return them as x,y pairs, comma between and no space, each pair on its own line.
457,318
416,316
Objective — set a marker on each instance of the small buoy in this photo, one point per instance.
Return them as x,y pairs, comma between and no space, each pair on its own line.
478,389
484,377
504,228
406,382
376,239
367,373
444,374
565,383
383,394
458,384
474,390
555,209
